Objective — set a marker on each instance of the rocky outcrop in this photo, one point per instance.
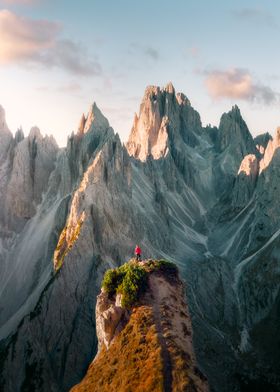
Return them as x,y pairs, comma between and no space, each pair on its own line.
148,346
110,318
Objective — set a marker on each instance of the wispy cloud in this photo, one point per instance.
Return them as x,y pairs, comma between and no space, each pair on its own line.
255,15
237,83
152,53
71,87
38,42
148,51
18,2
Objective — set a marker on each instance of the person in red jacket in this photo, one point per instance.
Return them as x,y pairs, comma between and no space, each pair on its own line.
138,252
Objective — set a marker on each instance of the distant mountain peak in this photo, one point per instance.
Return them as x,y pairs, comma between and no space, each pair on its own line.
169,88
163,114
94,118
35,133
3,124
234,131
19,135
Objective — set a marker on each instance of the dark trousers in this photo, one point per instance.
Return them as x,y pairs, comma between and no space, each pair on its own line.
138,257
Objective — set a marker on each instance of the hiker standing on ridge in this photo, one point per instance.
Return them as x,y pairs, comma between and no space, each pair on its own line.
138,252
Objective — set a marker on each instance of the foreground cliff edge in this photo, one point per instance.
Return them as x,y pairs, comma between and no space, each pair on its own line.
144,333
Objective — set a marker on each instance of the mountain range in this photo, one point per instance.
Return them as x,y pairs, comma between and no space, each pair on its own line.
205,198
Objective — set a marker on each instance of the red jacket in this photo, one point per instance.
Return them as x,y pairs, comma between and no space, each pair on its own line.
138,250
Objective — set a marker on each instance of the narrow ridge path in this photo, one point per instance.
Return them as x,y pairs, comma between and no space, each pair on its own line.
167,363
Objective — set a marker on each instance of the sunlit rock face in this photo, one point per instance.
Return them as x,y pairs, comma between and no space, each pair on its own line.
205,198
245,182
163,117
272,147
249,166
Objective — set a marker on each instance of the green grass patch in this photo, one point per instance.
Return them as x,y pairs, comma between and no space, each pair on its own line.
163,266
130,280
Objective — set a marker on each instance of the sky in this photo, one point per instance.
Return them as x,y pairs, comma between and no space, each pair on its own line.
57,57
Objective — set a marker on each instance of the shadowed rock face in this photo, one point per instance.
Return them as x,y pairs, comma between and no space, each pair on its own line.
200,197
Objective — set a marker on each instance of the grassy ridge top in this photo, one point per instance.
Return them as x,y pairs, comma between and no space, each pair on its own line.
130,280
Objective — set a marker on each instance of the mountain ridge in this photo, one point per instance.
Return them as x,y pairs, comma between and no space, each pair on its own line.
140,346
193,204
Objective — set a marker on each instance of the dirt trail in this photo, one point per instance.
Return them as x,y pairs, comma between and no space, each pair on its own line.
167,363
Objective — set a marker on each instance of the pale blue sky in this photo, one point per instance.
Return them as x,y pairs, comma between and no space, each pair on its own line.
218,53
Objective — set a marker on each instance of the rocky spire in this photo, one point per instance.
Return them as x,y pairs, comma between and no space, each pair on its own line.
5,134
19,135
163,115
35,133
233,131
81,126
95,118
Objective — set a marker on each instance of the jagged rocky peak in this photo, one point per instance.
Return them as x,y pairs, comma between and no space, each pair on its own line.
82,124
233,131
163,115
5,134
149,132
19,135
95,119
33,160
35,133
46,142
3,124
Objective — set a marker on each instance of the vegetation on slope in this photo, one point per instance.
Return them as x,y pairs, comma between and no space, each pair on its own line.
130,280
133,363
153,352
64,245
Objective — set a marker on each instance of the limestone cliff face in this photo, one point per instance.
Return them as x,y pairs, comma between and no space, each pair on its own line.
26,168
163,118
272,147
147,347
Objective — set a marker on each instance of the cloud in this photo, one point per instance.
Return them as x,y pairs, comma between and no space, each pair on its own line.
255,15
70,56
71,87
18,2
38,42
152,53
238,83
147,51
